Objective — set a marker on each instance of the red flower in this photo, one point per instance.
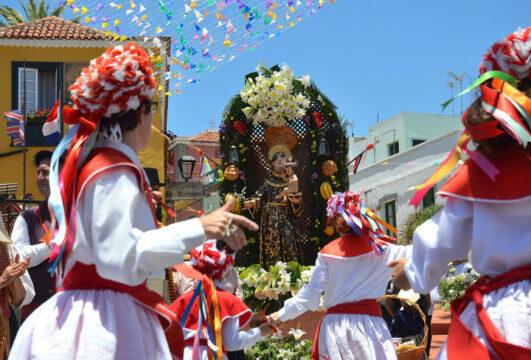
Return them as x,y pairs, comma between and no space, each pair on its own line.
40,113
45,110
318,118
240,127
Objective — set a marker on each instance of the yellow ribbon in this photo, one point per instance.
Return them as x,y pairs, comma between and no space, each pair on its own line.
389,227
513,93
448,165
217,322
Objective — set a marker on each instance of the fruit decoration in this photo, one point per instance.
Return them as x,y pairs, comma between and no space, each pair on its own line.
240,127
326,190
329,168
329,231
237,207
318,118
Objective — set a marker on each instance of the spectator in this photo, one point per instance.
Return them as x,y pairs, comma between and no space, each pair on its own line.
30,227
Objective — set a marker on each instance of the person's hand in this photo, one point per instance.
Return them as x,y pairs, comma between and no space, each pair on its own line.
15,270
248,204
399,276
215,226
274,318
267,329
258,319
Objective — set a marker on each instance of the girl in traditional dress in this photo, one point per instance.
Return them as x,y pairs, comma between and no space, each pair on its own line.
352,273
487,212
103,309
213,265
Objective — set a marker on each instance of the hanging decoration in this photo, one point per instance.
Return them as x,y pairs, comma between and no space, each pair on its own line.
204,34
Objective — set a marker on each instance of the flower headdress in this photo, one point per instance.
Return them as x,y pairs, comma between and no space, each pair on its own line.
208,260
361,220
118,80
505,63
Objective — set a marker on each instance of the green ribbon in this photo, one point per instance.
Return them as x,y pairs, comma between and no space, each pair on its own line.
486,76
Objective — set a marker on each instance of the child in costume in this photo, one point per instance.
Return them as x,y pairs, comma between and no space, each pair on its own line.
352,273
487,212
213,267
106,242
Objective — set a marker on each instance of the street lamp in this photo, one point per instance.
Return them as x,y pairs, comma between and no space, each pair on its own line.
189,163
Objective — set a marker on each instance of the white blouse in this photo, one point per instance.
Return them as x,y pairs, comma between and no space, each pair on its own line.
115,232
344,280
498,235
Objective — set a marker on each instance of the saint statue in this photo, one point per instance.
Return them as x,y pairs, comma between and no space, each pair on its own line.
276,203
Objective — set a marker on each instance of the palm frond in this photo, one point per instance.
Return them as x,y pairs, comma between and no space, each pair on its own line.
2,24
42,9
76,19
11,15
24,8
58,11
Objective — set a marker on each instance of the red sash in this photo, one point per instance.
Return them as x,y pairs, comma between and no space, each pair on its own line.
463,344
362,307
85,277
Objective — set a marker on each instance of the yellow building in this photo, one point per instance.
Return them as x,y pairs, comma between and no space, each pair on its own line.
53,51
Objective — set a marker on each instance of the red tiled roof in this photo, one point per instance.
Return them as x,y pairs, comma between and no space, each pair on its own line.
207,136
52,28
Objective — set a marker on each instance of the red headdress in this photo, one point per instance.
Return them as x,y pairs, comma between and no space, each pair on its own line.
505,63
118,80
360,219
208,260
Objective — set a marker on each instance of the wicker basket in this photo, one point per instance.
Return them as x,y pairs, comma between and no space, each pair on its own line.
415,352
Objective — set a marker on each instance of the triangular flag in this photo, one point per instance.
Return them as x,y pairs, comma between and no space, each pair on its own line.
218,15
70,2
133,5
104,25
84,10
129,11
116,22
141,9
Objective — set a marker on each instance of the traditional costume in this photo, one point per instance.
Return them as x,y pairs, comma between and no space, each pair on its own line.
106,243
218,314
352,273
487,212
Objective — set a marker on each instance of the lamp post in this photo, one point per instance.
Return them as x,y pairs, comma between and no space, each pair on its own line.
186,167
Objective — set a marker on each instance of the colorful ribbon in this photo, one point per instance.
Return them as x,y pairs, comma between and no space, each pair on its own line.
524,103
486,76
444,169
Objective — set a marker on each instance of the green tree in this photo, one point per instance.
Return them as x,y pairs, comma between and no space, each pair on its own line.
32,11
414,220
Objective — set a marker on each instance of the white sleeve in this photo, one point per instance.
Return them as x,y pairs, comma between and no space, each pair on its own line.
309,296
395,252
20,237
234,339
445,237
119,227
26,282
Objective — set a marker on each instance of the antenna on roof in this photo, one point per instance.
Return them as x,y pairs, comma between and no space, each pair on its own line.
212,123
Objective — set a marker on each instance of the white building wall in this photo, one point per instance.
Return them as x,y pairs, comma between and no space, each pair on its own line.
403,127
393,178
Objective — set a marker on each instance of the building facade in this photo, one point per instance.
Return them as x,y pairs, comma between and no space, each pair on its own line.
51,53
407,149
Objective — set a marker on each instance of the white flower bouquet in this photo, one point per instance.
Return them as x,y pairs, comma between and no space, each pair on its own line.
274,97
267,290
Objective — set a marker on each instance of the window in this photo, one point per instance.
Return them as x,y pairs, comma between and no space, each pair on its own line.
429,198
41,81
393,148
416,142
390,215
32,95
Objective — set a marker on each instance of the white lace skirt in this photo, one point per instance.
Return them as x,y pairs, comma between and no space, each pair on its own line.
348,337
509,308
90,324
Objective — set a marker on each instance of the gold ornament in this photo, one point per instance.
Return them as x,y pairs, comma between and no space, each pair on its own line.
329,231
232,172
329,168
237,207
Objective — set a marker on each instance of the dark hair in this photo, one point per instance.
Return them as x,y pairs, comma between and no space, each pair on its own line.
478,115
128,120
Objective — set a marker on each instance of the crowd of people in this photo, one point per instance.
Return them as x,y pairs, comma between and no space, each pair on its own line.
78,263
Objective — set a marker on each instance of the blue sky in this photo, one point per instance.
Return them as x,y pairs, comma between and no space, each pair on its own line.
369,56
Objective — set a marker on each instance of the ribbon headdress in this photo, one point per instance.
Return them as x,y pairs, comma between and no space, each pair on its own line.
360,219
213,264
118,80
505,63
